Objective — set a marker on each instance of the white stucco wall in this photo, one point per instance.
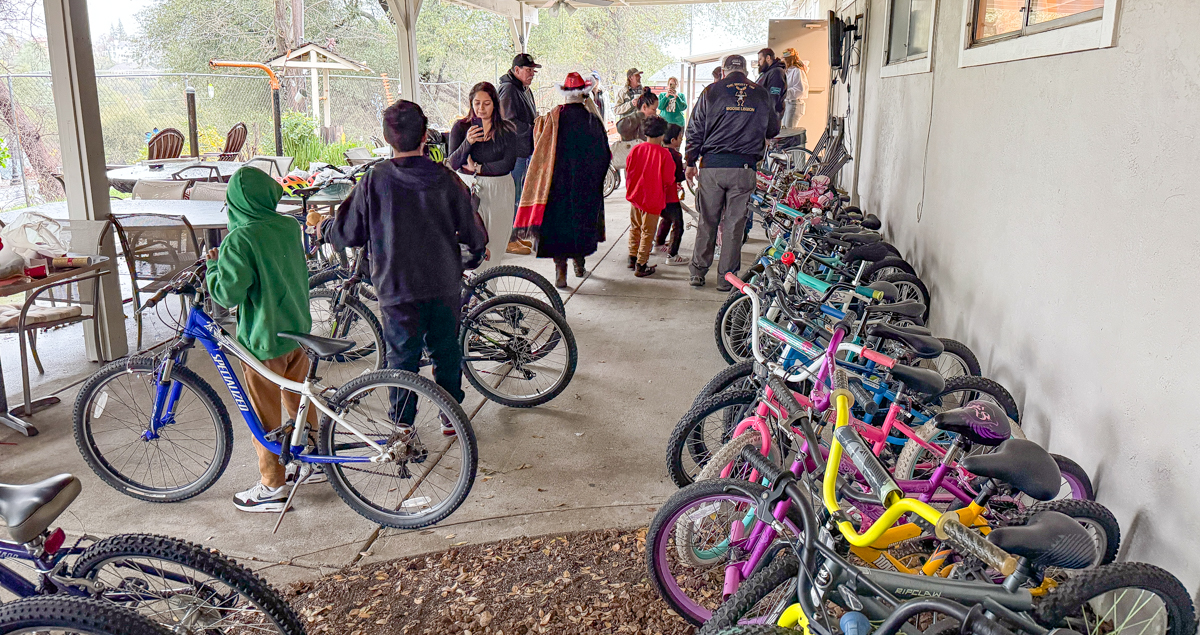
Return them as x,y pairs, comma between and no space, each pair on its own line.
1060,239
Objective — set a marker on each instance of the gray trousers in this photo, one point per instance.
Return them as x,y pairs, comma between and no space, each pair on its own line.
723,200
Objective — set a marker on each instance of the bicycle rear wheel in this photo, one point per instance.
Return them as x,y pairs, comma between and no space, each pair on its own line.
428,472
514,280
186,456
517,351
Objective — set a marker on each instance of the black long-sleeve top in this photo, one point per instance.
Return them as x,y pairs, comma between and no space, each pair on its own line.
412,214
496,156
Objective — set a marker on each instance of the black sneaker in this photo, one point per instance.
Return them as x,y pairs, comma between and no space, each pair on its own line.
696,281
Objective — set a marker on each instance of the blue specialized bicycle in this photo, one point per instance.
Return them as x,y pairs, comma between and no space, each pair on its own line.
396,447
183,587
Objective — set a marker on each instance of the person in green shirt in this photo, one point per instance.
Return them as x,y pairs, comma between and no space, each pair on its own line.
260,269
672,103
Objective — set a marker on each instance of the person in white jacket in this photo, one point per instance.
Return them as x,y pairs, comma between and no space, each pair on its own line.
796,73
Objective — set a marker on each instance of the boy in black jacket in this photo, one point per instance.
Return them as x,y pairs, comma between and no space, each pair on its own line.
412,214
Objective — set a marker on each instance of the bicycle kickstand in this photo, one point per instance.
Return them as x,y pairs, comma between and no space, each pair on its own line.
287,505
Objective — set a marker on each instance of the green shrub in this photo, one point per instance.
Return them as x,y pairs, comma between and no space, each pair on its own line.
301,141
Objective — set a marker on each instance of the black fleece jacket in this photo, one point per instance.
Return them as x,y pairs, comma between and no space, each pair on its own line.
774,79
411,214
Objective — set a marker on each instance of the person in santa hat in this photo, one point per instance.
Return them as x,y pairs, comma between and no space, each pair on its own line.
562,203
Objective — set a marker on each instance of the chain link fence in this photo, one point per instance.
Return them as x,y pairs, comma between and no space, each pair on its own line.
133,105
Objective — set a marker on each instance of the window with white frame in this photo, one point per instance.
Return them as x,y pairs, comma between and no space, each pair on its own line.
997,20
910,31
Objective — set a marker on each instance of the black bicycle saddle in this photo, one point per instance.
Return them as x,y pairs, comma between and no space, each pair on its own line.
319,346
29,509
860,238
919,380
871,253
925,346
908,308
1049,539
872,222
982,422
1022,464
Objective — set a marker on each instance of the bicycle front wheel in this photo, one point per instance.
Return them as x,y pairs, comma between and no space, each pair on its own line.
431,455
55,615
185,587
184,457
517,351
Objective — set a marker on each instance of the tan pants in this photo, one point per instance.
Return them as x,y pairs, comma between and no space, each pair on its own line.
642,226
269,401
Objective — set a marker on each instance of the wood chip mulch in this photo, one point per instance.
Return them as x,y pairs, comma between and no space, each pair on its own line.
588,582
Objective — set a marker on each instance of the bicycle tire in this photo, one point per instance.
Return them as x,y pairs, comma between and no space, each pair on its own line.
1069,598
338,273
781,571
612,180
553,298
963,353
972,383
690,436
919,291
890,262
660,552
361,313
729,453
564,337
90,564
85,616
350,395
1076,476
735,304
86,407
1089,511
734,376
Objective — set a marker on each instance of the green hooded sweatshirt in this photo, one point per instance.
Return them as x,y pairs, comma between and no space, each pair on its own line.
260,268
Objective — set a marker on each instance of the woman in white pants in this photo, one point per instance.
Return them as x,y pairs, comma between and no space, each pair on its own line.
483,146
797,88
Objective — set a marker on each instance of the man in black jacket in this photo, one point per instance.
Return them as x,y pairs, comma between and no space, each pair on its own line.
772,76
729,128
412,214
517,106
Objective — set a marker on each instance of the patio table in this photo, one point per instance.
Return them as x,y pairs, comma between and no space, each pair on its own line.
123,179
11,417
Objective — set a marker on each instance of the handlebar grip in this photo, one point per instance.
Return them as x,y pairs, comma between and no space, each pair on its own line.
868,292
784,395
878,478
846,323
737,283
841,387
950,529
769,470
878,358
864,399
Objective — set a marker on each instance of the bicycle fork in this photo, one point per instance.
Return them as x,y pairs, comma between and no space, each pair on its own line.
167,392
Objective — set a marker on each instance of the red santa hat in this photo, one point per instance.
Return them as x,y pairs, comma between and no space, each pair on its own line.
575,88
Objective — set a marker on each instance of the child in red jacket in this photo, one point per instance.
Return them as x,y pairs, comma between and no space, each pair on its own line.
650,181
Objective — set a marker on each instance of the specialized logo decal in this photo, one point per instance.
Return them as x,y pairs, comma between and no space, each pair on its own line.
740,96
231,382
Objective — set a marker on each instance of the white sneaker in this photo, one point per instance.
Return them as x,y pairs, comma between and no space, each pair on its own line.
676,260
261,498
309,473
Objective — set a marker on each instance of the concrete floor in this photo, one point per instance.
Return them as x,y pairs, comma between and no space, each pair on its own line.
645,349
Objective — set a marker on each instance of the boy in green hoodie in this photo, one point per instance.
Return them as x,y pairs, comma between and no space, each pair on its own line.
260,269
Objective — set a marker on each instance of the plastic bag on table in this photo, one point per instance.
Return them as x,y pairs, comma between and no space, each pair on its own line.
32,234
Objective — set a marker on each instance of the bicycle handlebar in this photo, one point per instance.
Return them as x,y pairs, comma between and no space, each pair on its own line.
737,283
950,529
195,267
765,466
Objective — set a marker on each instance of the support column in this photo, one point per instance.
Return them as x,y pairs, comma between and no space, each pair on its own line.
82,147
406,12
316,101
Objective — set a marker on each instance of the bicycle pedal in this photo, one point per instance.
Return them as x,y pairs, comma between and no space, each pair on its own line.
280,432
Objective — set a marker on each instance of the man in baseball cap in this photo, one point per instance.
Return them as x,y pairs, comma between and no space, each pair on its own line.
517,106
628,94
